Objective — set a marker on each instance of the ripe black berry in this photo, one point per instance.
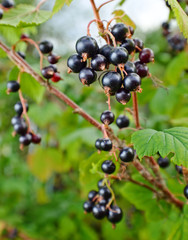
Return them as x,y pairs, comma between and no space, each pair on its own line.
48,72
103,202
177,42
54,67
88,206
186,191
141,69
99,211
122,121
92,194
19,108
87,76
146,55
25,140
129,45
21,54
139,45
16,119
76,63
111,82
13,86
126,154
105,192
108,167
98,143
165,25
106,144
87,46
53,59
20,128
132,82
129,67
179,169
1,13
100,183
107,117
99,62
115,214
105,51
163,162
119,55
123,96
46,47
8,3
119,30
131,30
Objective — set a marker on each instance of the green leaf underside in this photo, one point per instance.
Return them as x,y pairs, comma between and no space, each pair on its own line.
24,16
175,140
181,17
59,4
124,18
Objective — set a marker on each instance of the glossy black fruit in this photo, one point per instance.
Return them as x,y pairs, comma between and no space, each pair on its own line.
98,143
53,59
105,51
8,3
129,45
47,72
87,76
16,119
186,191
36,139
19,108
132,82
25,140
146,55
103,202
119,30
1,13
179,169
122,121
107,117
13,86
123,96
88,206
106,145
92,194
139,45
46,47
115,214
108,167
111,82
177,42
119,55
21,54
76,63
163,162
141,69
99,211
165,25
99,62
126,154
105,193
131,30
101,183
20,128
88,46
54,68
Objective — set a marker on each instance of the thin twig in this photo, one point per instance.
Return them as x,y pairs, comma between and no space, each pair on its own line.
102,5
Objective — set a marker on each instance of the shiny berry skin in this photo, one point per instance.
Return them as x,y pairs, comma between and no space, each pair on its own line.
177,42
108,167
165,25
8,3
19,108
46,47
115,214
1,13
13,86
186,191
106,145
47,72
21,54
123,96
99,211
107,117
87,45
129,67
129,45
126,154
76,63
54,67
88,206
25,140
91,195
99,63
119,55
87,76
56,77
179,169
163,162
36,139
16,119
103,202
53,59
131,30
139,45
98,143
111,81
20,128
132,82
105,51
146,55
119,30
122,121
105,193
101,183
142,69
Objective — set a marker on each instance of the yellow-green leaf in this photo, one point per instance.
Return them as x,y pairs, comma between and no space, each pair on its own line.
123,17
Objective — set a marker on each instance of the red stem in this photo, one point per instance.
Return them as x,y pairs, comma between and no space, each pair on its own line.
135,110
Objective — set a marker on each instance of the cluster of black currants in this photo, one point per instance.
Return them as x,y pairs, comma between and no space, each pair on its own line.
124,75
50,72
6,4
20,126
101,205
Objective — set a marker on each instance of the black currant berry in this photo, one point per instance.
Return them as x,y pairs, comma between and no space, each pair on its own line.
131,30
126,154
119,30
103,202
141,69
1,13
98,143
106,145
122,121
115,214
146,55
46,47
54,67
25,140
20,128
119,55
165,26
92,194
107,117
87,76
129,67
177,42
163,162
108,167
105,193
186,191
19,108
129,45
179,169
36,139
99,211
139,45
8,3
105,51
101,183
48,72
53,59
87,47
13,86
88,206
99,62
132,82
21,54
16,119
123,96
76,63
111,82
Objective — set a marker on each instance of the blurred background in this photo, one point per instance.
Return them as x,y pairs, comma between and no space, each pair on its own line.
43,188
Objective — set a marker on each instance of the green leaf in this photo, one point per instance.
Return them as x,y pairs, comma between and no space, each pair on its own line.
24,16
181,17
123,18
59,4
148,142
